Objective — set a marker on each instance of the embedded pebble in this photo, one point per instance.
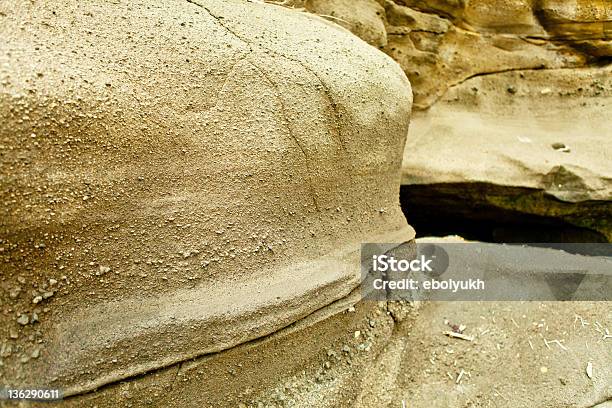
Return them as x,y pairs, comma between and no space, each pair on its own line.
561,147
15,292
103,270
23,319
6,350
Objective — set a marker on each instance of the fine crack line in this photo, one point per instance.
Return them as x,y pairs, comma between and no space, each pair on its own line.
174,379
221,23
290,131
601,402
335,125
227,77
479,74
199,357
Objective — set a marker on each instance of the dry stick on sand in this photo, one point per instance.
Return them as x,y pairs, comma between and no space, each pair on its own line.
458,335
460,376
557,342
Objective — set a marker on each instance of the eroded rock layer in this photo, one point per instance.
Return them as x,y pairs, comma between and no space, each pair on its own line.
440,43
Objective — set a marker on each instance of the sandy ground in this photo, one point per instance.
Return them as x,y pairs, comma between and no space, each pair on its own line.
523,354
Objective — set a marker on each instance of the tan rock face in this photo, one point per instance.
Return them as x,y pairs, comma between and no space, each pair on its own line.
440,43
526,142
183,177
500,83
363,18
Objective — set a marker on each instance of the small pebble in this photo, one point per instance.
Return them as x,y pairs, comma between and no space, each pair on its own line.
13,334
14,292
560,147
23,319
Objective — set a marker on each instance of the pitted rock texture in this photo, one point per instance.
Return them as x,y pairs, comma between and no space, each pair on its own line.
440,43
181,177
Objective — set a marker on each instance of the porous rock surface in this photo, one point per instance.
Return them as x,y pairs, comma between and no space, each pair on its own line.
440,43
178,178
515,102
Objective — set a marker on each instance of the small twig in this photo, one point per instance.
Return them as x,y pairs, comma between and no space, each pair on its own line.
458,380
599,327
458,335
582,321
557,342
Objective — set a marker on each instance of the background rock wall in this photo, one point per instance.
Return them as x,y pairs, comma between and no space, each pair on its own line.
441,43
511,103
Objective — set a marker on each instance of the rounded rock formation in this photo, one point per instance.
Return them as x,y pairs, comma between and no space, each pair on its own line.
178,179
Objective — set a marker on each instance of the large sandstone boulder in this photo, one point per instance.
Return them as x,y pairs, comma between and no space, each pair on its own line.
362,18
182,177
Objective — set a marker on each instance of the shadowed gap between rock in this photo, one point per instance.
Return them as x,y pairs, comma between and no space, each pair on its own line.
471,211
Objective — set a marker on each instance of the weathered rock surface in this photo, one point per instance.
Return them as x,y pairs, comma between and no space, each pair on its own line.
362,18
377,354
516,103
440,43
534,142
180,178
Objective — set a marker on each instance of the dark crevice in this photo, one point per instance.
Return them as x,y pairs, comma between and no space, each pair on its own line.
489,213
